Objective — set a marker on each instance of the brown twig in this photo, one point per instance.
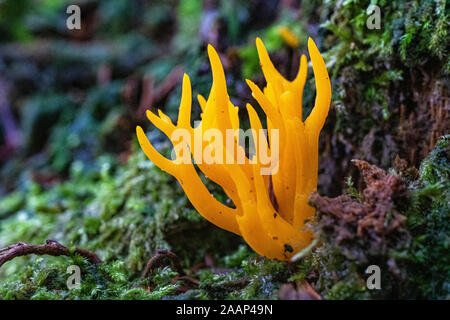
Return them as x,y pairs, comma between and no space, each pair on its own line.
158,260
163,256
51,247
189,283
152,94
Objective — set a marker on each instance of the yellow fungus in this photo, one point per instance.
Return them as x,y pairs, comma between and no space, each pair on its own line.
288,36
274,229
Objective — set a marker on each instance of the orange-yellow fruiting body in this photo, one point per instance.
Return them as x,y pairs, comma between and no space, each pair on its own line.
288,36
275,234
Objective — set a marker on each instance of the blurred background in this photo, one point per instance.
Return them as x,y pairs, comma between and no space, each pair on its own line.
69,97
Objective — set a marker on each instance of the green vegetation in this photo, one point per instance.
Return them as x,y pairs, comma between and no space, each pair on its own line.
428,221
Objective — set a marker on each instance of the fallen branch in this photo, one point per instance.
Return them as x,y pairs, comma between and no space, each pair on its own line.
51,247
158,260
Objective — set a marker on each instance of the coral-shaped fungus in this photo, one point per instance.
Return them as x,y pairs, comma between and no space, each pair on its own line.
270,210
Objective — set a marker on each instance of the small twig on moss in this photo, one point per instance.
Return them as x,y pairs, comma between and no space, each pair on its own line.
305,251
192,281
189,283
51,247
158,259
161,258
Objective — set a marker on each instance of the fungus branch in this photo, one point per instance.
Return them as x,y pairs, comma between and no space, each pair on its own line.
269,213
51,247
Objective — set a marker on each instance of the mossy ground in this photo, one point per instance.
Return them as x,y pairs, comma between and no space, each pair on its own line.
78,176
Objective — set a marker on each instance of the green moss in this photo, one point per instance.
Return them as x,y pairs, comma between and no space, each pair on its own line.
252,279
367,64
125,213
121,213
348,289
13,202
428,221
46,278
